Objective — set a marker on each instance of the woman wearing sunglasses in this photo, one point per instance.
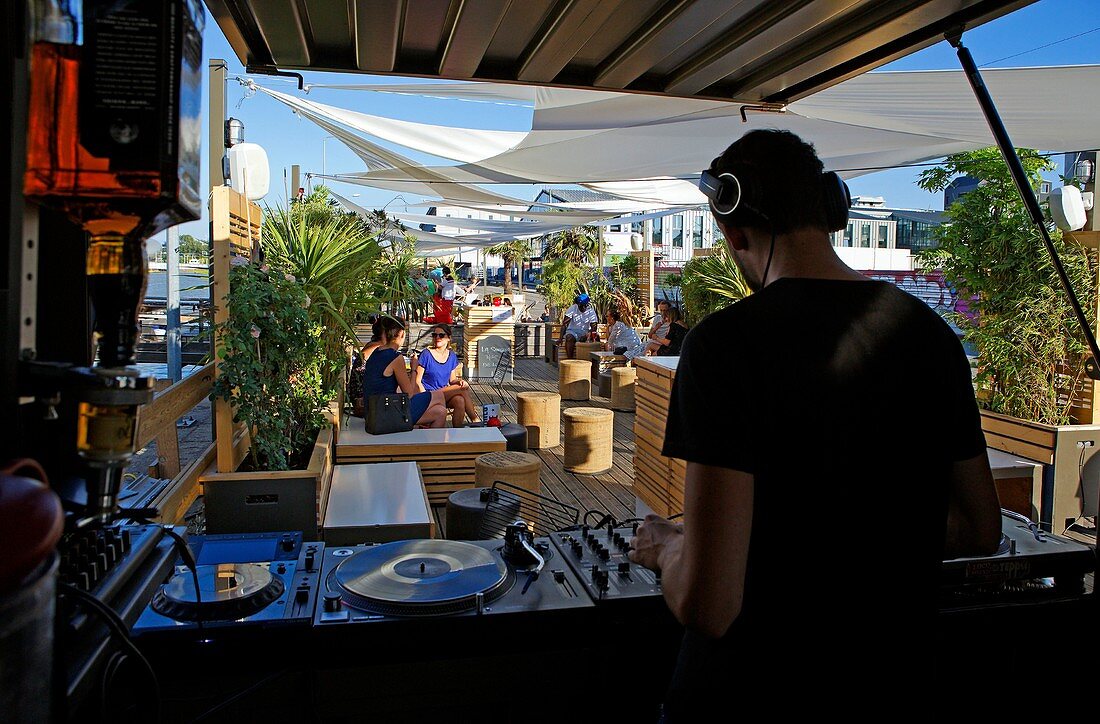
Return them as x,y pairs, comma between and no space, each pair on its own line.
436,368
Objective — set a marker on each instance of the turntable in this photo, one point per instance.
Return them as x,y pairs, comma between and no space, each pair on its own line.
422,578
253,579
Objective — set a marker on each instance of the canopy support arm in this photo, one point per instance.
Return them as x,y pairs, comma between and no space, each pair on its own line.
1019,176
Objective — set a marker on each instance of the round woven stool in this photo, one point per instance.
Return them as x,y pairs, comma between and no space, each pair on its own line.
583,349
574,382
540,413
519,469
622,388
588,432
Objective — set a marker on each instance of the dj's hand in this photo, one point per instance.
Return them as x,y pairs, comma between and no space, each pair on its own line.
650,540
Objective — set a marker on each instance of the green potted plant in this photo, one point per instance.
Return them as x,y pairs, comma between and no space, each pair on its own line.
272,355
1029,374
710,283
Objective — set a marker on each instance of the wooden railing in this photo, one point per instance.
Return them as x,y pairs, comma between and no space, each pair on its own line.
157,423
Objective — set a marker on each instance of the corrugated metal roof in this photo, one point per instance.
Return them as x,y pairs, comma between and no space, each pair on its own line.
748,50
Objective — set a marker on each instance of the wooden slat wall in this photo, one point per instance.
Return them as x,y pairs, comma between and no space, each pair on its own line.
646,282
659,481
478,325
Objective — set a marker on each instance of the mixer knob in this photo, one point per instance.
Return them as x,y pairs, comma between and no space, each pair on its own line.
286,543
604,554
302,595
310,559
624,567
332,602
595,571
559,576
125,540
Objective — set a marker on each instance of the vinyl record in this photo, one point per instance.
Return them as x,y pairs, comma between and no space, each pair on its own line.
419,577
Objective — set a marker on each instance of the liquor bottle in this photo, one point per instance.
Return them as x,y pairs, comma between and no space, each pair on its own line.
114,139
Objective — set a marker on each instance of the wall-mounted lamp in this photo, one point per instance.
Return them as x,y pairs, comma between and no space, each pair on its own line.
234,132
1084,170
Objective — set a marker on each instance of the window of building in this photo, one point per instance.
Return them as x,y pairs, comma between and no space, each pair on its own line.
636,227
678,230
847,235
697,233
865,236
883,233
614,227
658,230
716,233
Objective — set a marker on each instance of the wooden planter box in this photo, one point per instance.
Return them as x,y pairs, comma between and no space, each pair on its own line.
1060,497
267,501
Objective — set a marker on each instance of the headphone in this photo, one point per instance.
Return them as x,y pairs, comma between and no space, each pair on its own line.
732,195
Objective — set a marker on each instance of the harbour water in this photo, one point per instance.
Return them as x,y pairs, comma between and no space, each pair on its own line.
192,286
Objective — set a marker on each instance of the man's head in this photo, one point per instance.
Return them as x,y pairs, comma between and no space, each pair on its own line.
582,301
767,184
778,176
662,308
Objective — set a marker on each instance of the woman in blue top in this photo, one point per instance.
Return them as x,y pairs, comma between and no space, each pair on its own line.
385,373
436,368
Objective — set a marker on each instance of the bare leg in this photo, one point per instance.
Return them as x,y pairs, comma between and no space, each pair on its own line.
460,401
570,346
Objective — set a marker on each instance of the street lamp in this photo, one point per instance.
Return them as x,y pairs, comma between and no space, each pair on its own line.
323,155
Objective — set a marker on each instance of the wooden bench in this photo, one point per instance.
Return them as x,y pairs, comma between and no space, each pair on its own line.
377,503
445,455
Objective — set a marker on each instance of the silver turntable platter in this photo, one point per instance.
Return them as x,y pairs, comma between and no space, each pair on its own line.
418,577
229,591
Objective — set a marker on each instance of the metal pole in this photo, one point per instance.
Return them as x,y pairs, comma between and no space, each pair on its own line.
1019,177
172,306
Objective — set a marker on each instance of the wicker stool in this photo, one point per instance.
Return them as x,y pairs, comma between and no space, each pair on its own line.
588,432
605,384
518,469
540,413
573,380
622,388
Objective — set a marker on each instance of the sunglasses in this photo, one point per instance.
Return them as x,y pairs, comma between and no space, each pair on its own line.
439,335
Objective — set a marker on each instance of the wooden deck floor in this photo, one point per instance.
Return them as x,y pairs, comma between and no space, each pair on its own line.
612,492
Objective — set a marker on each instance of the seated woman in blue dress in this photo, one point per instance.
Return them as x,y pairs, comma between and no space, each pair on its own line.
436,368
384,373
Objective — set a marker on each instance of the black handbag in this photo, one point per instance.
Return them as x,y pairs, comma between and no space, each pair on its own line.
388,413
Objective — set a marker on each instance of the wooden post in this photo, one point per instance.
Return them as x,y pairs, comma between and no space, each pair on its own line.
234,230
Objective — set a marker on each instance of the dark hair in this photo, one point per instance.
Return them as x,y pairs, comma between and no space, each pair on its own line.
388,327
785,175
445,327
664,302
446,270
375,329
616,314
673,314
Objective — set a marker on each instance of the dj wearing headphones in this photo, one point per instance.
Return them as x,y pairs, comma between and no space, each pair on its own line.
847,462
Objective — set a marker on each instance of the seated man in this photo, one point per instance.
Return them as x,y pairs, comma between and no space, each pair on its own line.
580,323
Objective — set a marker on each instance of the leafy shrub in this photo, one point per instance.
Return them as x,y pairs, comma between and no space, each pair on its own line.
271,354
710,283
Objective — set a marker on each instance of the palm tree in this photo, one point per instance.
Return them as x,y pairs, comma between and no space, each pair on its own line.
512,252
580,245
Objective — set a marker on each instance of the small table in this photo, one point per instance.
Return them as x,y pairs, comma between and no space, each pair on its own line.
604,361
377,503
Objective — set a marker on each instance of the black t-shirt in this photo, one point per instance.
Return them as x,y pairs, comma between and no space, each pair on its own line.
847,401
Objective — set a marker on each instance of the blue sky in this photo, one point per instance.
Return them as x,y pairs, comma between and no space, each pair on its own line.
1017,39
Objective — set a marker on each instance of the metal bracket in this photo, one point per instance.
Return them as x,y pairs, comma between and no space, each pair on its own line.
272,70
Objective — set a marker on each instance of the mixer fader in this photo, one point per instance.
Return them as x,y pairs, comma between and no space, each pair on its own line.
599,557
